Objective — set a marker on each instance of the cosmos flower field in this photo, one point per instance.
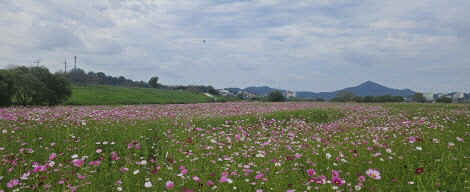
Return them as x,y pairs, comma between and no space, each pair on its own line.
236,147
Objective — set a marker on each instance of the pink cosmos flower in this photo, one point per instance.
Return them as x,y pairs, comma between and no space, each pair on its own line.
335,173
12,183
210,183
310,172
337,181
197,179
374,174
52,156
459,139
223,179
362,178
259,176
78,162
169,185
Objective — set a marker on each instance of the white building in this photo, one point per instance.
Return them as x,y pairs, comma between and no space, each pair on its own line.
443,94
456,96
224,92
290,94
428,96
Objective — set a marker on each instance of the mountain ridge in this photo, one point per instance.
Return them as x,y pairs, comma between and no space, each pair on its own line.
368,88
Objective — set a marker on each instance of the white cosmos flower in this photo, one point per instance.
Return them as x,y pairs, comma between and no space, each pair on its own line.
74,156
148,184
419,148
136,171
328,155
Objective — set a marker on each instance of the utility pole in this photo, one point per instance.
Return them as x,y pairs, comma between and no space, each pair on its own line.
75,66
65,65
37,62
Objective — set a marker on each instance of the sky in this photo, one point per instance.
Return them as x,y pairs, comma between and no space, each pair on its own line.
295,45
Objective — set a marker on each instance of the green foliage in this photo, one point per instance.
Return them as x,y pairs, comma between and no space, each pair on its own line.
240,96
276,96
319,100
6,88
37,86
418,97
346,95
78,76
212,91
338,99
115,95
153,82
368,99
444,99
357,99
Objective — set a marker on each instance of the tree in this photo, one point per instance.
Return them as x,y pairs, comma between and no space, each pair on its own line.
6,88
319,99
368,99
153,82
37,86
397,98
337,99
444,99
418,97
240,96
276,96
212,91
357,99
346,95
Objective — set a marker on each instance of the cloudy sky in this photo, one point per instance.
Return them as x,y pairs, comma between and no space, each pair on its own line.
295,45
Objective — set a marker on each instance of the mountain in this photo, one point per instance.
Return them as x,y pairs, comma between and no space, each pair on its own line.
260,90
368,88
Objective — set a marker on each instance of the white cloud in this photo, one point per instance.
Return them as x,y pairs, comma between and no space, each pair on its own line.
298,45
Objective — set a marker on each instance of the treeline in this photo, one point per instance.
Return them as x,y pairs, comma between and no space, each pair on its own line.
27,86
80,77
345,96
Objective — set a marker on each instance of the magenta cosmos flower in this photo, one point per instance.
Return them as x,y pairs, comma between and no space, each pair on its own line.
310,172
78,162
374,174
169,185
337,181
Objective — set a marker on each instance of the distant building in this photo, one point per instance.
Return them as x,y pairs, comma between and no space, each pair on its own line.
290,94
457,96
443,94
428,96
224,92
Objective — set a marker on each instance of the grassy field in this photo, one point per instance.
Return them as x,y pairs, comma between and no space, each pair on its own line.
114,95
237,147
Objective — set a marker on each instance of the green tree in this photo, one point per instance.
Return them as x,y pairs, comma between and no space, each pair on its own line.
212,91
37,86
153,82
418,97
337,99
397,98
319,99
368,99
6,88
276,96
444,99
357,99
346,95
240,96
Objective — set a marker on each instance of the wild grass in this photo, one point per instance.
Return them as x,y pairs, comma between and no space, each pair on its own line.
414,148
115,95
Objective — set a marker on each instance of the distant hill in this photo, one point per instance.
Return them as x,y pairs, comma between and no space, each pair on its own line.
261,90
368,88
115,95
